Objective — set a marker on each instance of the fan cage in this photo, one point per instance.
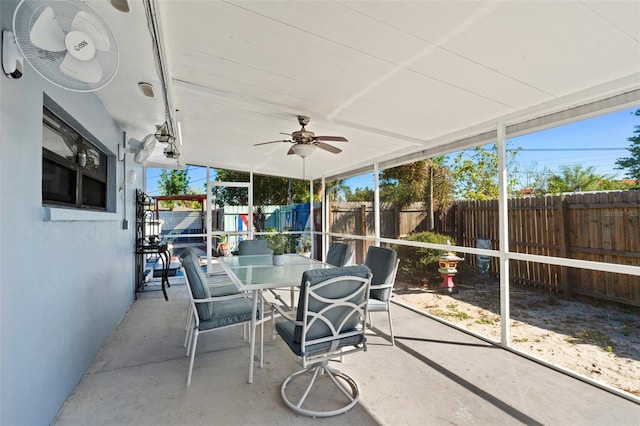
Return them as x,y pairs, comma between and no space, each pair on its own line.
47,63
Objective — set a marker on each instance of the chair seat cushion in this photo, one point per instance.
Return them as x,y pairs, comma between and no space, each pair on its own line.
229,312
375,305
286,329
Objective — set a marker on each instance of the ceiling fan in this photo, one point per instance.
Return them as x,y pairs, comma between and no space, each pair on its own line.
305,142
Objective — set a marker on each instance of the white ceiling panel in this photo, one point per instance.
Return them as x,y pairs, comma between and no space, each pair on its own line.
393,77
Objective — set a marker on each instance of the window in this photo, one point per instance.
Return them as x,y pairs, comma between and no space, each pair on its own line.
74,169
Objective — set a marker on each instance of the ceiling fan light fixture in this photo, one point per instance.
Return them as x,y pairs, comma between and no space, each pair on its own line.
303,150
164,135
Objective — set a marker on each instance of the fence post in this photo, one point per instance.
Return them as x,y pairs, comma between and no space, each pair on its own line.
561,232
363,229
460,223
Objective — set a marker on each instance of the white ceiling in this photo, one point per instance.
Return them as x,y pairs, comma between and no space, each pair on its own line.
392,77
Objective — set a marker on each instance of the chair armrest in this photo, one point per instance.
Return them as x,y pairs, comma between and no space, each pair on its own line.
220,298
214,279
381,286
215,274
285,314
219,283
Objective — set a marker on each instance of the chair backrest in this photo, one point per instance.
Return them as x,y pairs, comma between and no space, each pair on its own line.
197,282
339,254
383,263
482,259
249,247
188,251
332,306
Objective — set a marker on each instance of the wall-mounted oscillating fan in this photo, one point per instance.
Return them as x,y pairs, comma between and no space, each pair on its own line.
67,43
142,149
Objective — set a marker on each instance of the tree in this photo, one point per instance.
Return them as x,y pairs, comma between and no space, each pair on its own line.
267,190
173,182
632,163
360,194
416,182
426,181
575,177
534,181
336,190
476,176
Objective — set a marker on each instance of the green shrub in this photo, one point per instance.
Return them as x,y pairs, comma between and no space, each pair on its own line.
419,265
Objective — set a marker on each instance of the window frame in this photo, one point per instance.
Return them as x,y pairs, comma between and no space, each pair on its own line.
105,176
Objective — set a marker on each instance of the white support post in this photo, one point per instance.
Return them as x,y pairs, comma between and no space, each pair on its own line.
250,214
503,232
208,225
376,203
311,218
325,219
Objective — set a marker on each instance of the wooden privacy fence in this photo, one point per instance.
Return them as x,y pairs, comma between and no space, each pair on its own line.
603,227
357,218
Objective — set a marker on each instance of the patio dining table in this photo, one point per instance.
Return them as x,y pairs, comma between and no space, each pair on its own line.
255,273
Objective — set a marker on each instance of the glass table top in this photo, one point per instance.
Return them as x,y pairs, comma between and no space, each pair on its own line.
259,271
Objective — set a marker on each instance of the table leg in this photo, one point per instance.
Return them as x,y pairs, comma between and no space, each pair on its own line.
252,334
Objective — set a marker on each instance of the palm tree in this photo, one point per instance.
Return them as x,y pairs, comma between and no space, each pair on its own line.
575,178
419,181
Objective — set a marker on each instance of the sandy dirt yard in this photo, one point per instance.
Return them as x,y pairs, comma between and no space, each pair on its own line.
596,339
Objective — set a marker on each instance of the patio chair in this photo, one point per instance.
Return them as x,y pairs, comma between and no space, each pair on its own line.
483,260
209,312
218,282
339,254
329,323
383,263
253,247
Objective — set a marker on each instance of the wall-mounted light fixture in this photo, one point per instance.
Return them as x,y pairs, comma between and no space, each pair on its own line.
171,151
164,134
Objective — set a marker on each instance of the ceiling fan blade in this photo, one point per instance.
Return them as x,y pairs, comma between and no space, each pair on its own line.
283,133
328,147
331,138
265,143
291,151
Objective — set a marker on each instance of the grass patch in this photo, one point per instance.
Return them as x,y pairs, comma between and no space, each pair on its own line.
591,337
456,314
485,320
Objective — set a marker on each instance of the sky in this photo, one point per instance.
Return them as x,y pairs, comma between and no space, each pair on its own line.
596,142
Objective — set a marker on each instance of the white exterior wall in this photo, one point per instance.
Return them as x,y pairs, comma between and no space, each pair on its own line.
64,284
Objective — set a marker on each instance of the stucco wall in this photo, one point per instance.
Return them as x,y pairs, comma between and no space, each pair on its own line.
64,284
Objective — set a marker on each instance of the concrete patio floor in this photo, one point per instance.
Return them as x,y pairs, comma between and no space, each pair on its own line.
436,375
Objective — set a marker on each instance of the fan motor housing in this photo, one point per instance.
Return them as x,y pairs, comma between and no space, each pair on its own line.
303,136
